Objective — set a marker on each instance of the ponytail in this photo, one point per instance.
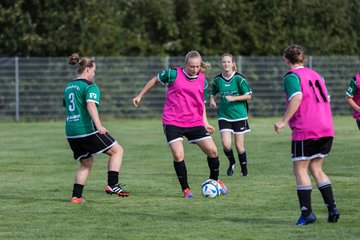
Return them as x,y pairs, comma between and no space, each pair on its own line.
195,54
81,63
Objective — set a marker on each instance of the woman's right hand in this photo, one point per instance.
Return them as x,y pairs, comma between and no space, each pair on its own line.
279,125
136,101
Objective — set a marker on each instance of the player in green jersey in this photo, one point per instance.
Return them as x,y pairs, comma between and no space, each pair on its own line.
232,111
84,131
353,97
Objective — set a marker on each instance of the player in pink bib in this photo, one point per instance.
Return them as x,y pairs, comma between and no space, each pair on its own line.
184,106
185,115
311,121
353,97
309,116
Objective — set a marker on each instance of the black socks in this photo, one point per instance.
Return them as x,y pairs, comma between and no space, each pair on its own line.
243,163
181,172
214,165
230,155
77,190
327,194
304,195
113,178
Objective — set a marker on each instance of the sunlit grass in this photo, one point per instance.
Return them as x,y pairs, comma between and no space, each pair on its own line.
37,170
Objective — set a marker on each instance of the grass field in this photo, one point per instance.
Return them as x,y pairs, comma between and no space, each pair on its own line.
37,170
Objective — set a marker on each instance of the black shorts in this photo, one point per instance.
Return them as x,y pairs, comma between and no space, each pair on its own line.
358,124
310,149
237,127
193,134
85,147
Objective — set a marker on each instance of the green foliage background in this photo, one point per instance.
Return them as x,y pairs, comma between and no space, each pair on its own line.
171,27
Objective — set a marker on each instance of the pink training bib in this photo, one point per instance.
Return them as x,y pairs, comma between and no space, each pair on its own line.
313,119
356,97
184,104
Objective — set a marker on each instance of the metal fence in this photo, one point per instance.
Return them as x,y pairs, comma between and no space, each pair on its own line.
32,88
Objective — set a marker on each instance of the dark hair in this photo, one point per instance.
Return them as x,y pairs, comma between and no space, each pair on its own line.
195,54
234,68
295,54
81,63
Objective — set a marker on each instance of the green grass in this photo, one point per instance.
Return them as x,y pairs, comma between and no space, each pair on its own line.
37,171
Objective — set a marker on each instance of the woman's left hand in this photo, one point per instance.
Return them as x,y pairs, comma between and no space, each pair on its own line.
210,128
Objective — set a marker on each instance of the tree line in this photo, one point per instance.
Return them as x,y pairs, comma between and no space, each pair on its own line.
173,27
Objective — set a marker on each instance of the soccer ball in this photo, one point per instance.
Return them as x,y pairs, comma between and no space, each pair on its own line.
210,188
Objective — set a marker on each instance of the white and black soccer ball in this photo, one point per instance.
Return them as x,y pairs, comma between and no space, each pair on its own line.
210,188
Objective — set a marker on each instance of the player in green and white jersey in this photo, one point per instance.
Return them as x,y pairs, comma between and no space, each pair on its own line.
232,111
78,120
84,131
353,97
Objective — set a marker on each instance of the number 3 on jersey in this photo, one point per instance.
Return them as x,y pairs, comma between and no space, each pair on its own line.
72,102
320,90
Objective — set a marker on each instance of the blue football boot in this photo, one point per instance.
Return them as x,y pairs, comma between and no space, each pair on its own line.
334,215
306,220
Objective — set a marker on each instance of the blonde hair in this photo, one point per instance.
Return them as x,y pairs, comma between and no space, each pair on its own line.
81,63
195,54
295,54
234,68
